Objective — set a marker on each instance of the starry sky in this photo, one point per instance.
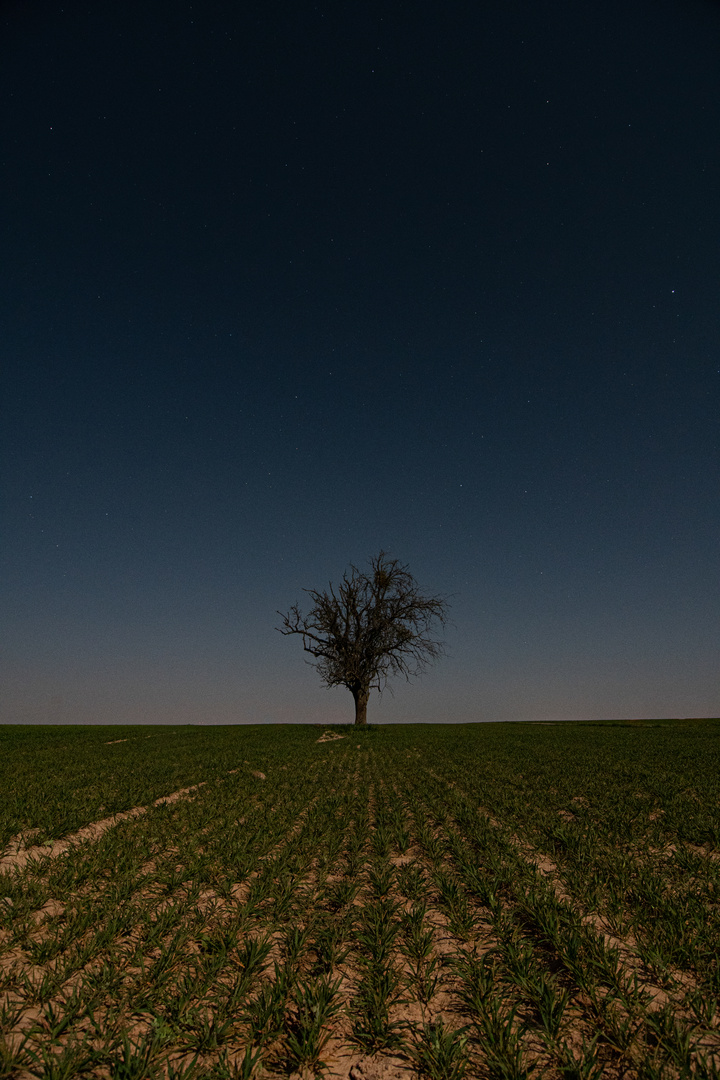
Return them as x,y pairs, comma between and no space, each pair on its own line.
287,283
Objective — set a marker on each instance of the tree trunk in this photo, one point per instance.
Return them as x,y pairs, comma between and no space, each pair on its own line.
360,697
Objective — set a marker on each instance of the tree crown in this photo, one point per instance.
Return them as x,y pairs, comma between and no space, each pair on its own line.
370,627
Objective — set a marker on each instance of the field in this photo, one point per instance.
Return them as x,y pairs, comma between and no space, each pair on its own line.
421,901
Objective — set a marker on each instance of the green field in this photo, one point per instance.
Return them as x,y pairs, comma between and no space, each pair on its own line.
501,900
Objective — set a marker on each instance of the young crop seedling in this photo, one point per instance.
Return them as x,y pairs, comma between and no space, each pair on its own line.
341,893
439,1053
329,946
265,1015
293,946
426,978
551,1004
499,1032
418,938
307,1033
411,882
380,878
585,1067
372,1027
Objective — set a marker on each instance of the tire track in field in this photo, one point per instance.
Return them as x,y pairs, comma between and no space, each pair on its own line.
16,856
88,833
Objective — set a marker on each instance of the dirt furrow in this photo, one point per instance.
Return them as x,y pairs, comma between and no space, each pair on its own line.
89,833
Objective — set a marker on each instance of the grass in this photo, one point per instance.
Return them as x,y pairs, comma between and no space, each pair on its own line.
467,901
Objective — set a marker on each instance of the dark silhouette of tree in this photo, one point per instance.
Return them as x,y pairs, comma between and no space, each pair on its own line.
371,627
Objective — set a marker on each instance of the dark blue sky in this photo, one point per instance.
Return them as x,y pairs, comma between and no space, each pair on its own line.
284,284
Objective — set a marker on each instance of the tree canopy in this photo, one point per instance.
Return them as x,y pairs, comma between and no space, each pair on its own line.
371,627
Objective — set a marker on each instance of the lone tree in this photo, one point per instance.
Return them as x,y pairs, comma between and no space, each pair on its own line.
373,626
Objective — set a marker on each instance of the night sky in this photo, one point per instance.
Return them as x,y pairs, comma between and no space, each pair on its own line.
286,283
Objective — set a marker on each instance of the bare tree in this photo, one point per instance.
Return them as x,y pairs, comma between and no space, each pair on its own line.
373,626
